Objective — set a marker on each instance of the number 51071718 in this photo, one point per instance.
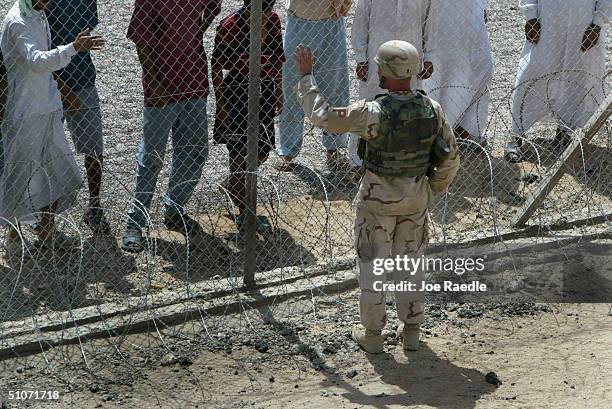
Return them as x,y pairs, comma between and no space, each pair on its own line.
33,395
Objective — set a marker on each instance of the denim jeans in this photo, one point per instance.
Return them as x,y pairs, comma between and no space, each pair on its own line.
188,124
327,39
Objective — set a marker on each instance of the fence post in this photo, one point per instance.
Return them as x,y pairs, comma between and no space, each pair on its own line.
250,234
587,133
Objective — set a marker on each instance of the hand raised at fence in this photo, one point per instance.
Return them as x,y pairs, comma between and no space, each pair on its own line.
590,38
532,30
86,42
304,60
362,71
428,70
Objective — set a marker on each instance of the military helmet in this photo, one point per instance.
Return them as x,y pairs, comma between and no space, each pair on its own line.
398,60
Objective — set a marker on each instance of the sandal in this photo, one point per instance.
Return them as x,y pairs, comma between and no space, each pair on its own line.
96,221
182,223
132,240
262,222
513,153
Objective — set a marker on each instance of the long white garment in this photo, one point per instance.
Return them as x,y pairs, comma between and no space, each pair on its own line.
39,168
555,78
379,21
464,69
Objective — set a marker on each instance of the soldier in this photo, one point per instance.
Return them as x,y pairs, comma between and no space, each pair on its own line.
409,153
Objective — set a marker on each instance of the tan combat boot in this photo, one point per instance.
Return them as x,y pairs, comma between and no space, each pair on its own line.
368,339
409,333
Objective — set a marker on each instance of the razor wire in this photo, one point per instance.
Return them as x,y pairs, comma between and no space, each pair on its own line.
94,311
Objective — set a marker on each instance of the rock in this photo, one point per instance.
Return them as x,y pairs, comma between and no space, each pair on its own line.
271,379
515,286
324,393
493,379
94,388
469,313
169,359
261,346
184,360
351,373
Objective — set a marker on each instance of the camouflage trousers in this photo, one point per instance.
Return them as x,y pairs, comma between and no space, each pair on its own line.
379,237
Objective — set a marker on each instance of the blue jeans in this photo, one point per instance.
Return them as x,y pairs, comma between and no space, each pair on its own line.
327,39
188,123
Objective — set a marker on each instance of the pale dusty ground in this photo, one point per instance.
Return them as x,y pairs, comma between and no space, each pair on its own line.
558,359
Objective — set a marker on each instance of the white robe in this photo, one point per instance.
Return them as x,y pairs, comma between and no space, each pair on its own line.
555,78
39,168
379,21
464,69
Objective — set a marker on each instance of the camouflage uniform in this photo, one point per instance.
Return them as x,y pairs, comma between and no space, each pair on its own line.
391,217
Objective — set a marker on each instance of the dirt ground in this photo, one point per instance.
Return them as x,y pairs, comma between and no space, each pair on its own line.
547,356
550,361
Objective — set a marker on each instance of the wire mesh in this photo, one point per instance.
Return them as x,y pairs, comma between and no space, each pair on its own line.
87,170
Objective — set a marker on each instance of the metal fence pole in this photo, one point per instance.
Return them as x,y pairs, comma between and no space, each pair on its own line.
250,233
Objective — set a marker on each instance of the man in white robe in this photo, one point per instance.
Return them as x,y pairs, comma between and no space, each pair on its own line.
40,173
464,66
562,67
379,21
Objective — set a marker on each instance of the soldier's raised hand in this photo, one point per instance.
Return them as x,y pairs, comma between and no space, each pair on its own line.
86,42
304,58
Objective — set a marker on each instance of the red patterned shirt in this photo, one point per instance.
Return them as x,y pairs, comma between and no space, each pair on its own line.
173,29
232,46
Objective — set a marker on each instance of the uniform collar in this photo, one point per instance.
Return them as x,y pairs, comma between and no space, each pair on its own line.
403,93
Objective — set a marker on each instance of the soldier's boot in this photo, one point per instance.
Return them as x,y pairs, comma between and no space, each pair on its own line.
369,340
409,333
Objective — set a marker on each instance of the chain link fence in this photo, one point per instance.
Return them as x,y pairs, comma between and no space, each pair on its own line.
178,197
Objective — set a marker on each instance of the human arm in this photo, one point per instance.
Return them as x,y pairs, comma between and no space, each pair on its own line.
446,169
36,59
359,118
429,20
601,17
603,12
529,8
216,68
279,59
143,31
211,10
3,88
150,73
70,99
360,37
